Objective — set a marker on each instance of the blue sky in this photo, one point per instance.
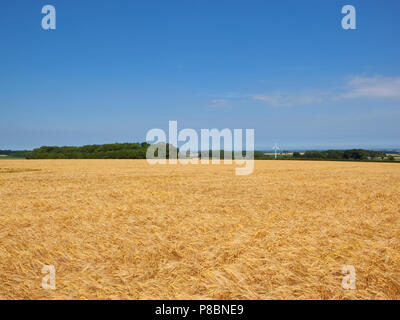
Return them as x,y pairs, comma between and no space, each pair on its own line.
112,70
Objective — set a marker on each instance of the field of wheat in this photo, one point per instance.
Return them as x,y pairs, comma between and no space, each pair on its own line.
122,229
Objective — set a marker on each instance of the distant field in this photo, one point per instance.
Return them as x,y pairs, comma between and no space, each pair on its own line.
10,158
284,154
395,155
125,229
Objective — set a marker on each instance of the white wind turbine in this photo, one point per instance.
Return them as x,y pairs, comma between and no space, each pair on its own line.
276,148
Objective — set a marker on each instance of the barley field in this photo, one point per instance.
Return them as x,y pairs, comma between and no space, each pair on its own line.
122,229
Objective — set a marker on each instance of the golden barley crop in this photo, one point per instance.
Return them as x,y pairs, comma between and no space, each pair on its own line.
122,229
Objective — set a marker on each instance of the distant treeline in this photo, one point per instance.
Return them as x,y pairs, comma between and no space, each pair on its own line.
12,153
104,151
139,150
352,154
221,154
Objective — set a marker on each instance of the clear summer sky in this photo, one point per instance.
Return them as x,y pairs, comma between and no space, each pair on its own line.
112,70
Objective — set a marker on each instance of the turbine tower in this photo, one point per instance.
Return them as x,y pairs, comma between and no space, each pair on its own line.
276,148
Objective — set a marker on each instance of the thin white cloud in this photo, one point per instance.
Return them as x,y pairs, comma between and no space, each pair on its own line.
372,87
219,103
357,87
288,100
